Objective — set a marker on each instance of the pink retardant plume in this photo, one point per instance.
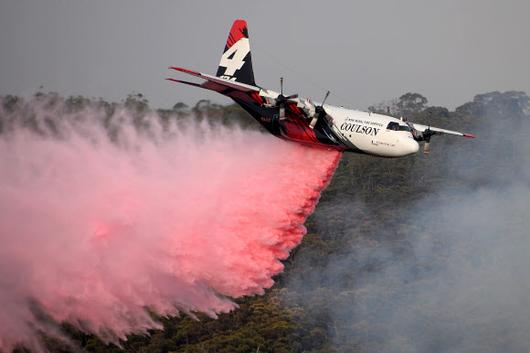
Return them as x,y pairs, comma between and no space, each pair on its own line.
95,230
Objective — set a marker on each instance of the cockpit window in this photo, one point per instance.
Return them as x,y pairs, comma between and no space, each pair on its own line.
397,127
393,126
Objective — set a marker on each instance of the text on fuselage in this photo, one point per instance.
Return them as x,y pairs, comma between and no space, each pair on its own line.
359,128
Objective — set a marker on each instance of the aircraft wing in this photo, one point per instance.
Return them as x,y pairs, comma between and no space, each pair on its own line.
422,128
213,82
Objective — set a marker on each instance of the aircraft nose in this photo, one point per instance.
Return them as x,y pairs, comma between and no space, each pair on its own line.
410,146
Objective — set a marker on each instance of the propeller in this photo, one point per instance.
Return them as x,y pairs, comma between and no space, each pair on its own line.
320,108
281,100
426,135
320,112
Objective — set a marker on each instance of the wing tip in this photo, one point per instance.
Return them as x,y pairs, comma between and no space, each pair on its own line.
471,136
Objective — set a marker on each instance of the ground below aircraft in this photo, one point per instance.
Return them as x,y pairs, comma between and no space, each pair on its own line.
302,120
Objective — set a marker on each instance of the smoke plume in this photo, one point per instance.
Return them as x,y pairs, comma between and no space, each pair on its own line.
103,223
433,257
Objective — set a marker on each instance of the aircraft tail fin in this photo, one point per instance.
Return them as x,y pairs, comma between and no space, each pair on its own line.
236,61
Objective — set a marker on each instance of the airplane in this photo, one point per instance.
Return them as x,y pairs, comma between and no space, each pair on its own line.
304,121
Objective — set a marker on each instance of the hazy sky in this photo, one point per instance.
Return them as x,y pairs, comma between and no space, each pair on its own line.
363,51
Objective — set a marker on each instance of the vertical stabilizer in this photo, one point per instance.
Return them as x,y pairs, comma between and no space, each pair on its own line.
236,62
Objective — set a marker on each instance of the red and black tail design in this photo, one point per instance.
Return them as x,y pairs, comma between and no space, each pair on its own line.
236,62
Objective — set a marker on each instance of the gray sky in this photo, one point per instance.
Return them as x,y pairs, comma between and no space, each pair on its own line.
363,51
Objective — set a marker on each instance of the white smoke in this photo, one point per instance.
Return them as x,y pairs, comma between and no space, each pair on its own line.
448,272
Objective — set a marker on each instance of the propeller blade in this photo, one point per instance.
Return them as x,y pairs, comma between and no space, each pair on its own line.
282,112
326,97
281,100
427,148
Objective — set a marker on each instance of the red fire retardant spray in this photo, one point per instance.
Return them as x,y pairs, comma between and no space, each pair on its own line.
96,230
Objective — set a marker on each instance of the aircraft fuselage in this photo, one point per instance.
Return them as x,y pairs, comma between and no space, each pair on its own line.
341,128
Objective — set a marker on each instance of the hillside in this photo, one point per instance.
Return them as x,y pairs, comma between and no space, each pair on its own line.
401,255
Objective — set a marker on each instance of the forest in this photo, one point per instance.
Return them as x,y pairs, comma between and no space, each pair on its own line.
379,267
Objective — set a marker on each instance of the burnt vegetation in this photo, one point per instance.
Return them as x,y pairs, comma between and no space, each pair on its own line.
367,207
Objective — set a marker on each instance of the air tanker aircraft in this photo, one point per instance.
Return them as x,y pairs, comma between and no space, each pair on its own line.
304,121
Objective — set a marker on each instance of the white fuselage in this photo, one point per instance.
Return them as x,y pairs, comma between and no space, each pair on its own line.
365,131
370,132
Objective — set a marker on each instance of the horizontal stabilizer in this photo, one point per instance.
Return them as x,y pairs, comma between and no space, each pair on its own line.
242,87
185,82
